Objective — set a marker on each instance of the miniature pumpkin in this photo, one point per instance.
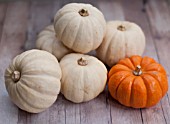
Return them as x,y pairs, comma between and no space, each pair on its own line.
83,77
33,80
122,39
80,27
48,41
137,82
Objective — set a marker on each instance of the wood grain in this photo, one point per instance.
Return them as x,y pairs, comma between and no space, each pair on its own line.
118,112
20,22
13,36
41,15
159,16
3,9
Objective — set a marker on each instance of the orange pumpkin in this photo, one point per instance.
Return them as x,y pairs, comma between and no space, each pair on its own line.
137,82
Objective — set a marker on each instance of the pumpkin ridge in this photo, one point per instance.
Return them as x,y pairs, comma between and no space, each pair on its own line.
148,59
99,75
158,69
66,74
60,17
102,48
19,98
25,86
19,59
84,91
145,81
56,23
64,30
91,30
137,60
130,100
110,72
127,65
80,22
132,88
120,83
158,82
109,46
28,102
129,83
125,43
35,76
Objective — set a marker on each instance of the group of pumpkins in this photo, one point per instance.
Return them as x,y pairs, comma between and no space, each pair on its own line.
35,78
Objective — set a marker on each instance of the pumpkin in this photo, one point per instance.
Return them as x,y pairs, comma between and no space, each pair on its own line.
48,41
83,77
33,83
137,82
80,27
122,39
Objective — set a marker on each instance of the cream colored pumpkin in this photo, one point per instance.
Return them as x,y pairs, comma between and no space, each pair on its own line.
122,39
33,80
83,77
80,27
48,41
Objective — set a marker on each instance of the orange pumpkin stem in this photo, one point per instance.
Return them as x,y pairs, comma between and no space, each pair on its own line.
83,12
137,71
16,76
82,62
121,28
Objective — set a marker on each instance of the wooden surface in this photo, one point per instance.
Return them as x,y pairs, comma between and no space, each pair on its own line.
20,21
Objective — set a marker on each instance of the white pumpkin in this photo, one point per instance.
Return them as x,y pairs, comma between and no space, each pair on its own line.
33,80
122,39
48,41
80,27
83,77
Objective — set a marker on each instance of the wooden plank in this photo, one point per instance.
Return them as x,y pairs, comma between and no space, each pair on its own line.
113,10
13,36
159,16
94,111
41,15
154,114
3,8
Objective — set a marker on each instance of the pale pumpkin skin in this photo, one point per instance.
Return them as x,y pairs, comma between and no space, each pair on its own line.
37,86
83,77
80,27
122,39
48,41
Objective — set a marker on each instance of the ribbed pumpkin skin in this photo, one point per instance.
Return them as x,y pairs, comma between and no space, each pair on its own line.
82,83
79,33
39,84
119,44
140,91
48,41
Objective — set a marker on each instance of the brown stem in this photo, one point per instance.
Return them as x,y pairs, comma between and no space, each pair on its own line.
121,28
82,61
137,71
16,76
83,12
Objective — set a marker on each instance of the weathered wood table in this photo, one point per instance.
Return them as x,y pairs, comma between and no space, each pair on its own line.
20,21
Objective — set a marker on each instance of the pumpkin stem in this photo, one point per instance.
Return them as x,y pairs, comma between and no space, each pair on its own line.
16,76
121,28
82,62
83,12
137,71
